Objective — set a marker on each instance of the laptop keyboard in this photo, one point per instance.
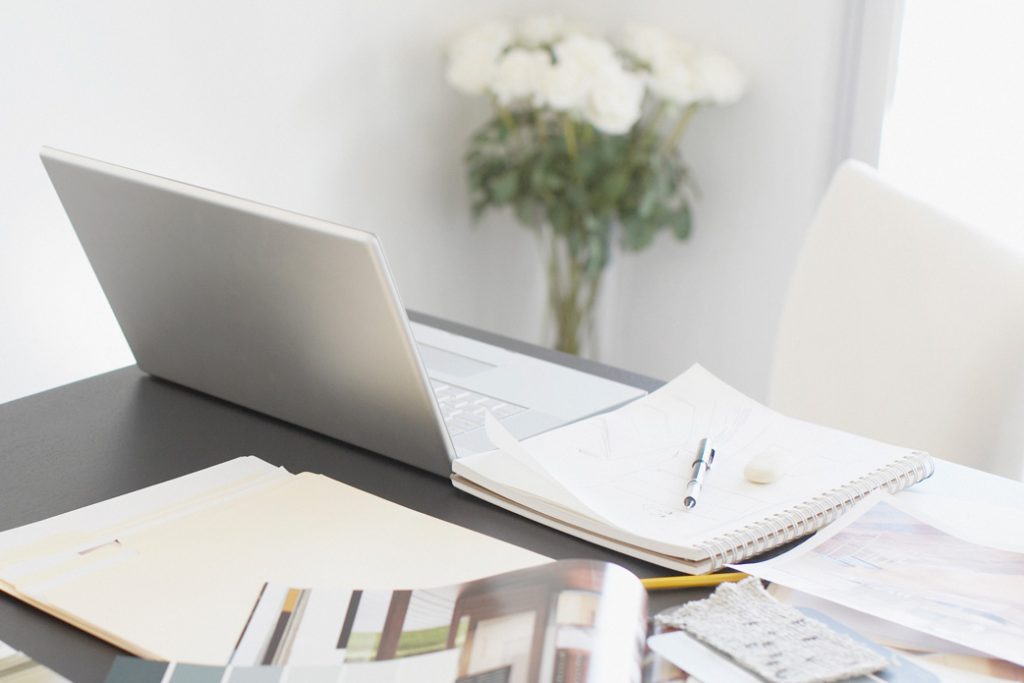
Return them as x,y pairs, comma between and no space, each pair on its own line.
463,410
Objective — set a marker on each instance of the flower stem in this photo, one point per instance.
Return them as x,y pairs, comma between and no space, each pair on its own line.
572,294
677,132
569,129
506,118
652,127
542,129
588,135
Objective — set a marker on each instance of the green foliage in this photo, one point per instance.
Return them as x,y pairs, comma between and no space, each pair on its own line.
556,171
578,186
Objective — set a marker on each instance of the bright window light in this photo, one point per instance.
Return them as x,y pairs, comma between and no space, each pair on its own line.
954,133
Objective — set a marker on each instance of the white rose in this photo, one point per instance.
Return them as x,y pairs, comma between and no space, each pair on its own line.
473,57
522,74
614,104
675,82
669,60
542,30
651,45
580,64
717,79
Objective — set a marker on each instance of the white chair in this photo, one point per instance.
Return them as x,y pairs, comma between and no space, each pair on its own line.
907,326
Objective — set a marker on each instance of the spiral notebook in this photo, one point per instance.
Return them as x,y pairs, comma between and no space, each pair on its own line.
619,479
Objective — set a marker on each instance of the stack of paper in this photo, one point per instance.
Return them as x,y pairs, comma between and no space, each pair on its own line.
887,560
171,571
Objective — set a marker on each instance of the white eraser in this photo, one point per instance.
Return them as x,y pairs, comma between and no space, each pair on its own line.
768,466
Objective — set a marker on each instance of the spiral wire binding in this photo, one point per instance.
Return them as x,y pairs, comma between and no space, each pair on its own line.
782,527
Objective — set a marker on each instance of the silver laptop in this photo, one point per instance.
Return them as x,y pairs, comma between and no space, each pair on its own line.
300,319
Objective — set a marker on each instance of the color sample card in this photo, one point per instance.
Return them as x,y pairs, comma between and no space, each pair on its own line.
17,667
259,674
195,673
133,670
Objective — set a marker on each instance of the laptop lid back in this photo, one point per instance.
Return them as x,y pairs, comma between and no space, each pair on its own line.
288,315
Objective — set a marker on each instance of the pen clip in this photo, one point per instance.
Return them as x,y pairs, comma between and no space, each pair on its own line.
698,471
706,454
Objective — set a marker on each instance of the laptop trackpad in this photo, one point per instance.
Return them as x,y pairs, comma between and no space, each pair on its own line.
435,359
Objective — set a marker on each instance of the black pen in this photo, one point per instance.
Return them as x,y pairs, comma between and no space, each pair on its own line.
698,472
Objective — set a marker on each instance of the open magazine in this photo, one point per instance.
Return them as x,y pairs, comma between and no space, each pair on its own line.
574,620
570,621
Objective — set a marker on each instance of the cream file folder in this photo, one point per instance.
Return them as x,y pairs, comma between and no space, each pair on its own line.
172,571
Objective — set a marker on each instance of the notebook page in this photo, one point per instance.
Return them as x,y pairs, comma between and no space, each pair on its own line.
510,469
631,466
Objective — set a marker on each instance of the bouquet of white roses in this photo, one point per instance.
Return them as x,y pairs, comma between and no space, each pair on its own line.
585,137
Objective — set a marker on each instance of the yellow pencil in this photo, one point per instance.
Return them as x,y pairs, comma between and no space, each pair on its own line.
667,582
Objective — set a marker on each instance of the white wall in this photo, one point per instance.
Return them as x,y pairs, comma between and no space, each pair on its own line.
340,110
761,166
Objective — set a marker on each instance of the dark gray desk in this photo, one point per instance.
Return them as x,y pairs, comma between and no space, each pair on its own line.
118,432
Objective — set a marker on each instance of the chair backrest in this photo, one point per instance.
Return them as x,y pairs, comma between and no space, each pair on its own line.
904,325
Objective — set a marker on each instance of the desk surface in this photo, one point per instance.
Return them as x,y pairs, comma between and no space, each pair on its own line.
120,431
